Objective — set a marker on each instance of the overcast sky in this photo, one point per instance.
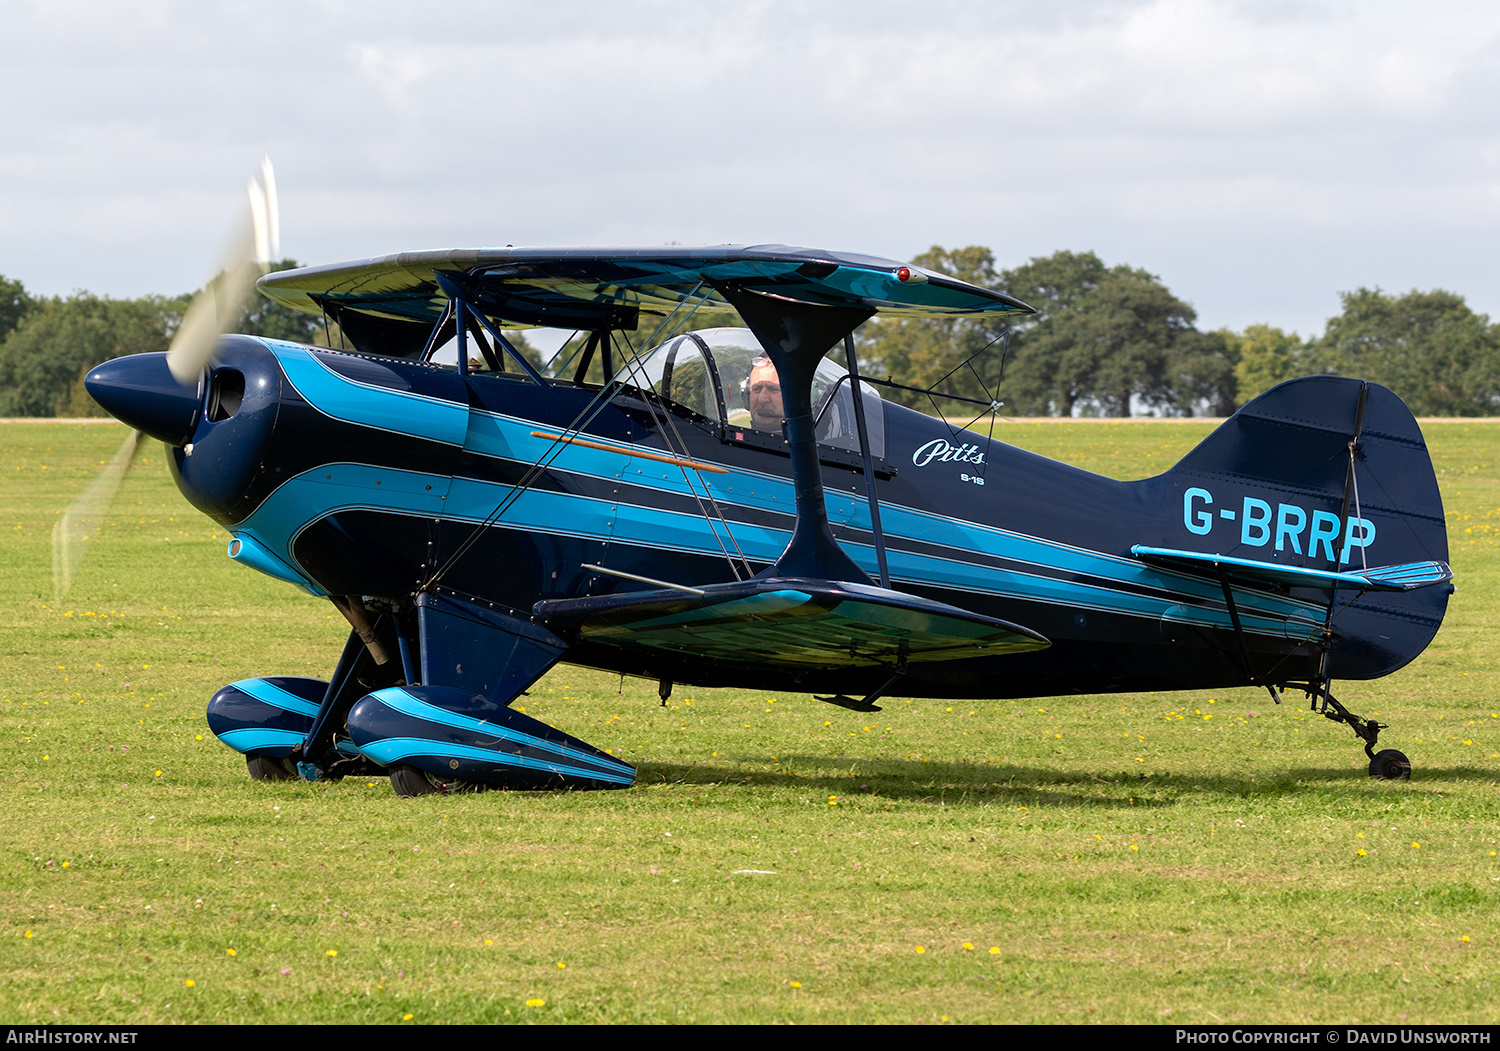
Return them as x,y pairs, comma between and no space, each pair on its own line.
1259,157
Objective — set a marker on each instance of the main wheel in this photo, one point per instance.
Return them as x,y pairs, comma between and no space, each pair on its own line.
409,781
1390,765
264,768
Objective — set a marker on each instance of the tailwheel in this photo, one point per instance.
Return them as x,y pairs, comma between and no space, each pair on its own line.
408,781
1390,765
264,768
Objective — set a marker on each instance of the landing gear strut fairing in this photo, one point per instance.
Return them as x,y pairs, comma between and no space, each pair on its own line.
478,522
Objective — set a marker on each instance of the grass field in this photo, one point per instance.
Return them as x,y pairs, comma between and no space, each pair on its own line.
1195,857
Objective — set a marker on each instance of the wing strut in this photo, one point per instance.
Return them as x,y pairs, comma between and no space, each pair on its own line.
796,335
864,455
458,306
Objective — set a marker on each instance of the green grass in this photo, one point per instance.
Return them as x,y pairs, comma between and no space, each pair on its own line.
1128,858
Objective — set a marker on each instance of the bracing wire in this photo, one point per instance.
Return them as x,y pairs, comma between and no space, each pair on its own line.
584,417
679,448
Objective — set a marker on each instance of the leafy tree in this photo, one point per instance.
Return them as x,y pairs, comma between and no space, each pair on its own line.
14,305
1428,347
43,361
932,352
1267,356
1054,284
1105,341
1202,373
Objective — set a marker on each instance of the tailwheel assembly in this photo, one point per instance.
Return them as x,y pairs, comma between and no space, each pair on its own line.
1387,764
1390,765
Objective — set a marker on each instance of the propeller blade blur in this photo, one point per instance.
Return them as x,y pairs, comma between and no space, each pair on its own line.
252,245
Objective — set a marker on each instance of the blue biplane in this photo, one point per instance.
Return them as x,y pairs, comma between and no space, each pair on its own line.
740,506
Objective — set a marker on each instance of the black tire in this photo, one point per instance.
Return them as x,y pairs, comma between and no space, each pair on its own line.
1390,765
408,781
264,768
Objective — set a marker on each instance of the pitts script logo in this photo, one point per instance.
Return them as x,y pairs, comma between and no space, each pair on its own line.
940,449
1289,524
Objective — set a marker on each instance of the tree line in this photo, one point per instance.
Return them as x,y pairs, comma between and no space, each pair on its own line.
1115,341
1104,341
47,344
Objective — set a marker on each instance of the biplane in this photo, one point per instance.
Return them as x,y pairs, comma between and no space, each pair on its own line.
741,506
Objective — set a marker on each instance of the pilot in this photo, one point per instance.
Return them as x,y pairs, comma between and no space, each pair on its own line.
763,392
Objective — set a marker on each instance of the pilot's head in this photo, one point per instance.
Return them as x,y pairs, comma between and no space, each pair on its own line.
764,391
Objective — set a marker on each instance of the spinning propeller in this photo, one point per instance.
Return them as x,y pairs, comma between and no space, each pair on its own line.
249,250
137,392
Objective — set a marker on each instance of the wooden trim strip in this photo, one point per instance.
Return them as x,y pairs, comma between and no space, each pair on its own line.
632,451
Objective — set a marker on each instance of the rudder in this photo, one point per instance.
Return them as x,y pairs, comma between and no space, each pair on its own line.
1274,484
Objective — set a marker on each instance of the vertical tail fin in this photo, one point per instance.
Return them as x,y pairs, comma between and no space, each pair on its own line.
1331,474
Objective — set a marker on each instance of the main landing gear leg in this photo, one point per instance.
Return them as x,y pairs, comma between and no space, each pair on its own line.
1387,764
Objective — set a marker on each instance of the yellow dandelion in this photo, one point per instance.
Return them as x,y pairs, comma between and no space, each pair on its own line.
1464,938
189,983
1415,845
230,952
536,1001
561,966
921,949
158,773
488,941
798,985
406,1017
994,950
1362,852
26,935
968,946
331,953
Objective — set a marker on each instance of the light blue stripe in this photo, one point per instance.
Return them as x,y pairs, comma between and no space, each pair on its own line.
394,749
253,739
509,438
397,699
400,412
276,697
307,497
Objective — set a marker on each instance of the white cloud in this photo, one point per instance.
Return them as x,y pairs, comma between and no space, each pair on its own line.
1260,156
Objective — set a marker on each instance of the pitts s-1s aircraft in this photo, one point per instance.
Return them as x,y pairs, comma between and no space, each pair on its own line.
738,506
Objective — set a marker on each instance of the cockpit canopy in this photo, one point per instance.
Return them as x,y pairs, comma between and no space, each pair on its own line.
708,372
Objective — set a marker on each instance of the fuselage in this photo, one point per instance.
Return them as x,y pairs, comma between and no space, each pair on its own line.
376,477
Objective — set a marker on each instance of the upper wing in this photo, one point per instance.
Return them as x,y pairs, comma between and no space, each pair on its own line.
602,288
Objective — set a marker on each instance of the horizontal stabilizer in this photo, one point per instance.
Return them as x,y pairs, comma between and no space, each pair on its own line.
1406,577
788,623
